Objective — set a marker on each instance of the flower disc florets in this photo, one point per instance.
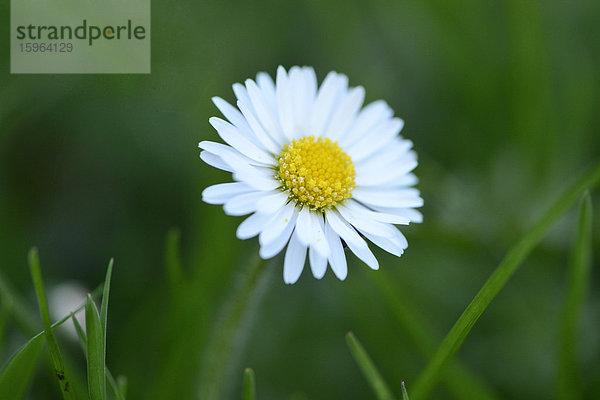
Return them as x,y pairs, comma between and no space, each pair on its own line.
316,172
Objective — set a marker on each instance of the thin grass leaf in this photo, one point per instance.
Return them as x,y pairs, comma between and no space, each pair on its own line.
368,368
568,384
16,377
112,383
249,385
461,382
172,258
57,360
404,392
95,352
122,386
4,316
230,332
105,295
453,340
25,319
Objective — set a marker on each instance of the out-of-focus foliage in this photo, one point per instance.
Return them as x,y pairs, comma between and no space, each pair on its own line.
501,100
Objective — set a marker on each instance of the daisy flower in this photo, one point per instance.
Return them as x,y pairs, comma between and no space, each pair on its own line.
316,170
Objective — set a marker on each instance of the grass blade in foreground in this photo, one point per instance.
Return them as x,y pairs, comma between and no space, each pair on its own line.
568,385
57,360
249,385
453,340
95,352
404,392
369,370
17,375
460,382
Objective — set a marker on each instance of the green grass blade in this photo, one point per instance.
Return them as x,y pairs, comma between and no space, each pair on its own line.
453,340
249,385
112,383
95,352
105,295
172,258
57,360
229,331
122,385
404,392
461,382
568,383
4,316
17,375
370,372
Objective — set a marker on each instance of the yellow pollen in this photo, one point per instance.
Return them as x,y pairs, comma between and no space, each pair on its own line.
316,173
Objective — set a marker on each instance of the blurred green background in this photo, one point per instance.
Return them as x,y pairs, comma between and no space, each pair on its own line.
501,100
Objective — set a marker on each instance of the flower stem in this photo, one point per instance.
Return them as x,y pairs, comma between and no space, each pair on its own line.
230,332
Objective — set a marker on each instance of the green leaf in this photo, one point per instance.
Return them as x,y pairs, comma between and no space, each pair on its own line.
57,360
172,258
568,382
370,372
249,385
122,386
112,384
17,375
461,382
230,330
105,295
453,340
95,352
4,315
404,392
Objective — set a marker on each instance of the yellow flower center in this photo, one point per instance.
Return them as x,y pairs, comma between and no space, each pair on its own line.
316,173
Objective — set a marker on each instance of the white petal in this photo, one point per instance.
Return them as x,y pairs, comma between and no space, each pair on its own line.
318,263
394,244
231,113
285,103
272,247
259,179
378,216
337,258
222,192
301,105
392,175
267,88
345,114
324,105
263,112
310,92
352,239
215,161
233,137
381,136
287,215
243,204
272,203
412,214
228,154
318,240
369,117
362,222
398,198
295,256
252,225
304,226
266,140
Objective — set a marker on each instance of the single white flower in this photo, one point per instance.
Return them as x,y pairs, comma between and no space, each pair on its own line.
314,169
